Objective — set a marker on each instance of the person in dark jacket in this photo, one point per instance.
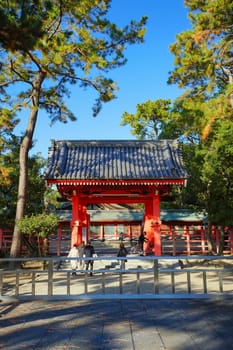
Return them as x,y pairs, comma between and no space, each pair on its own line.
121,236
121,253
141,240
89,251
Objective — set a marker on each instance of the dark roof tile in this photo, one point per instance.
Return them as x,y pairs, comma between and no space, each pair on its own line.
114,159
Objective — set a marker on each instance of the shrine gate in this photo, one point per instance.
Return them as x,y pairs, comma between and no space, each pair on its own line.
115,171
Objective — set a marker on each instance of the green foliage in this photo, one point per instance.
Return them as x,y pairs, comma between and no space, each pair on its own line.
217,174
208,161
192,195
7,124
41,225
204,68
203,60
38,228
21,23
149,119
68,43
51,199
9,184
76,44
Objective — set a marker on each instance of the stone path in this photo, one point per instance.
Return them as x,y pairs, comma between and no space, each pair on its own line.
117,325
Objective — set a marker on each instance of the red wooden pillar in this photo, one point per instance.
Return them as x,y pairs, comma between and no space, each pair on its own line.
157,223
153,223
102,232
188,240
88,225
116,231
130,232
174,241
84,224
147,226
231,241
76,234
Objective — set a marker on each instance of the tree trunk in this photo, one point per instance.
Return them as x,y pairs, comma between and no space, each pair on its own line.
209,240
221,240
23,164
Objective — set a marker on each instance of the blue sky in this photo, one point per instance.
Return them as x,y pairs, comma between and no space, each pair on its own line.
143,78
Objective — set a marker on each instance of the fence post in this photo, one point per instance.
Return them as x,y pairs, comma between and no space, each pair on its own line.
50,277
202,241
173,242
216,239
156,276
188,241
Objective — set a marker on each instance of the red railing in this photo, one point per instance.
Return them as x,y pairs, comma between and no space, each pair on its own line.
182,240
193,241
5,240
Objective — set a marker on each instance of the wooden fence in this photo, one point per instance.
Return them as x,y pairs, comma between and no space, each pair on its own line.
139,277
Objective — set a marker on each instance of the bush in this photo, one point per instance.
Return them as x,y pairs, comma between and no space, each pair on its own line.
38,228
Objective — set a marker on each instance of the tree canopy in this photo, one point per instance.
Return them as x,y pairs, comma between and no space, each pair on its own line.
76,45
149,119
8,184
217,175
21,23
201,118
203,67
203,59
37,227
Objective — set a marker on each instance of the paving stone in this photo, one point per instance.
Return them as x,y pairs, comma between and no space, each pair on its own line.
117,325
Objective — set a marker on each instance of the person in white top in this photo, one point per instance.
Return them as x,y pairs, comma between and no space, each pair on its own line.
74,253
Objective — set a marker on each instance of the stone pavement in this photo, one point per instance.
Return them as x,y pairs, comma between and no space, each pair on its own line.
117,325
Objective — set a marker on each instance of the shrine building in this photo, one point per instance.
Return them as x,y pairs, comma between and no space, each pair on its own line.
89,172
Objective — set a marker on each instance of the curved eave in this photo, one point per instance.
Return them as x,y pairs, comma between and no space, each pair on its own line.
77,183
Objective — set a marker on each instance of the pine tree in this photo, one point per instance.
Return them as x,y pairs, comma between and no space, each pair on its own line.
77,44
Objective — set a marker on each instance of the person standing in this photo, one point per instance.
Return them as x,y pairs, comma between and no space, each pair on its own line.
74,253
122,252
89,251
141,240
121,236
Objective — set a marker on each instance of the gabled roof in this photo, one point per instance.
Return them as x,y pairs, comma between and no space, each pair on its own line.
114,159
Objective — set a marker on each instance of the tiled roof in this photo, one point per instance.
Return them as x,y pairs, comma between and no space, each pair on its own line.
114,159
182,215
166,215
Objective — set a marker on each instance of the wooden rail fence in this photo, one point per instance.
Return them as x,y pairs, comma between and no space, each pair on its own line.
139,277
